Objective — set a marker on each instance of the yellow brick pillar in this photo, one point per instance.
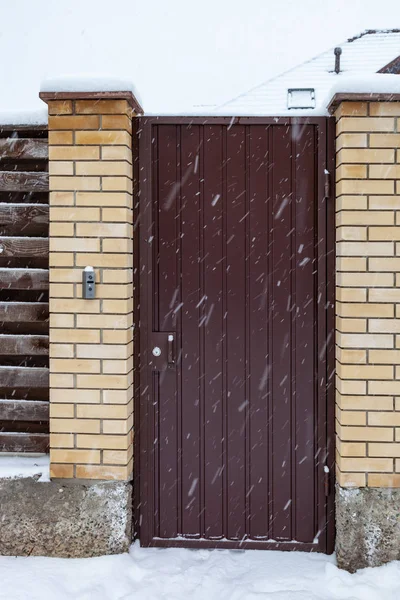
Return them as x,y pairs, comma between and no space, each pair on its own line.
368,261
367,328
91,341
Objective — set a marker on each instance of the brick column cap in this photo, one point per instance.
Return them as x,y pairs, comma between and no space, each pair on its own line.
118,95
340,97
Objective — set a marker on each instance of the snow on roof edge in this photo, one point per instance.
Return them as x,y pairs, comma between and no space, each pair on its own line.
307,62
371,32
21,118
287,71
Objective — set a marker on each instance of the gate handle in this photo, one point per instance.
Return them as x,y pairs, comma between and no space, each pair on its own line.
170,354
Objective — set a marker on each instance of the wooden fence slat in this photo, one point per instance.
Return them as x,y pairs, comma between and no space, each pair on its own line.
23,311
24,322
18,247
24,377
23,149
24,279
24,442
24,345
24,181
24,219
24,410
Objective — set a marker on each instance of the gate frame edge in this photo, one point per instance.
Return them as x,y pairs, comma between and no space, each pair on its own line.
331,347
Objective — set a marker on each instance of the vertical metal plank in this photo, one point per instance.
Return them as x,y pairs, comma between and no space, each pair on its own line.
259,359
225,475
270,330
144,447
213,301
246,408
137,363
191,328
282,339
153,298
304,321
168,281
236,334
326,362
321,336
156,436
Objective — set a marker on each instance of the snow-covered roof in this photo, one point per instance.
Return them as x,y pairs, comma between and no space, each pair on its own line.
361,56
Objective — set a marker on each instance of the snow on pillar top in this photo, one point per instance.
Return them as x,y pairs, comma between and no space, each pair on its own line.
378,87
90,88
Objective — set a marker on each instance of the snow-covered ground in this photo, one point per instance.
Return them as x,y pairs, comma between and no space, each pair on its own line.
174,574
25,466
177,574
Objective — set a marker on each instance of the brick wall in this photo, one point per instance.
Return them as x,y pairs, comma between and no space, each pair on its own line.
91,348
368,294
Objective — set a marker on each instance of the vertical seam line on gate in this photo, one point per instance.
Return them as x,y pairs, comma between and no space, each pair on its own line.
224,173
317,392
247,461
326,316
152,250
154,189
320,327
154,226
179,317
330,157
270,258
202,334
293,318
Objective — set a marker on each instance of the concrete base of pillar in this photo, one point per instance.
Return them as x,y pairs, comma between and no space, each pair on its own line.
367,527
65,519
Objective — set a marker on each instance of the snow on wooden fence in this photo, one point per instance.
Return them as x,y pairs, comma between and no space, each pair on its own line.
24,284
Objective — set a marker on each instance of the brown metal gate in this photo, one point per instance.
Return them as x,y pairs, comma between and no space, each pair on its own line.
234,423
